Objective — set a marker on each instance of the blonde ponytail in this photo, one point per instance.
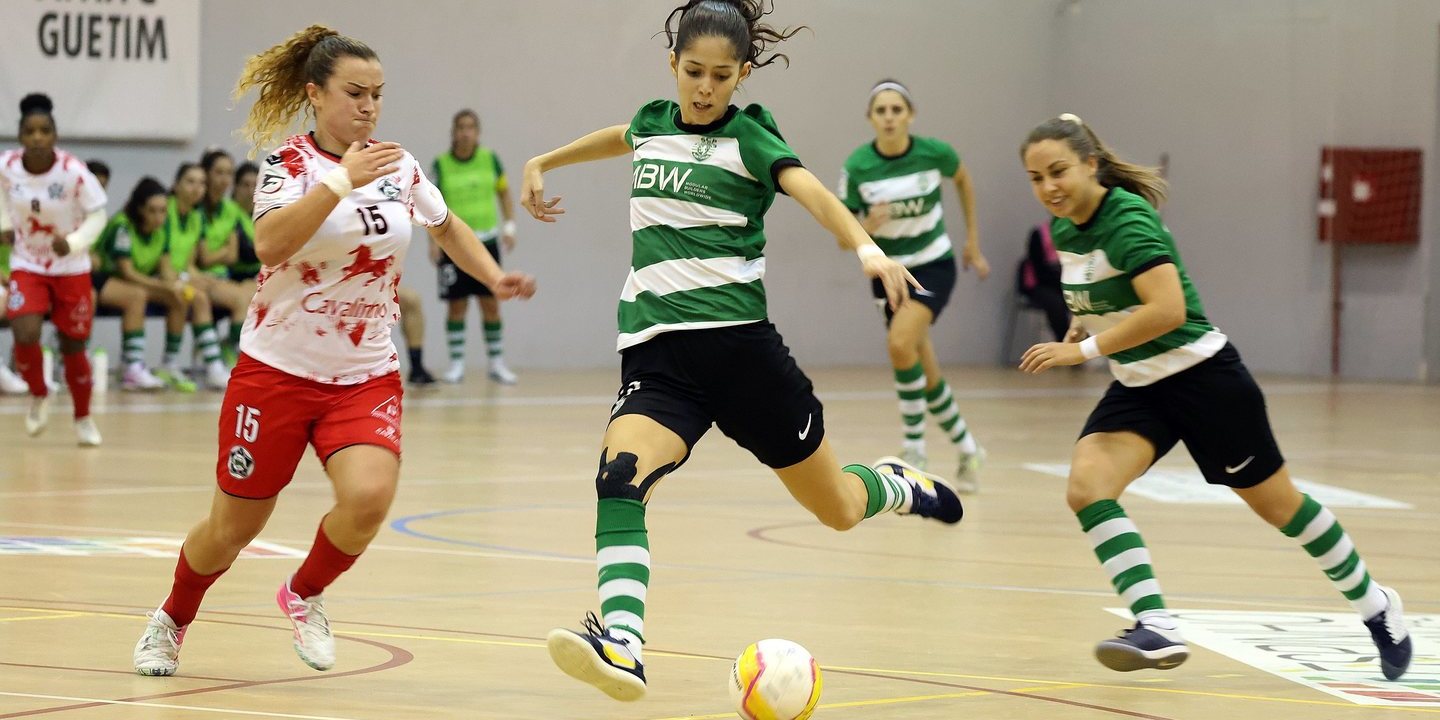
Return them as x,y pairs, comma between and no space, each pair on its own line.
281,74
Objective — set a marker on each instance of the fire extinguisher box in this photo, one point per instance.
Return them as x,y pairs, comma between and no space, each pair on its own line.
1370,195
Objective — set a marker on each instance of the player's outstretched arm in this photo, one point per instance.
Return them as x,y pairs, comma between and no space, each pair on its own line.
801,184
604,143
460,244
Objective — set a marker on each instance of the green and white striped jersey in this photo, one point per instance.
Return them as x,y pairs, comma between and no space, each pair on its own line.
911,184
698,199
1098,261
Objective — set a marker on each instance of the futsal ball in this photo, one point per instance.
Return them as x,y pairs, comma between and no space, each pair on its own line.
775,680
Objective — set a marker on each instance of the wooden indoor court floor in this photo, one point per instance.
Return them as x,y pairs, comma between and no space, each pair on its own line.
489,546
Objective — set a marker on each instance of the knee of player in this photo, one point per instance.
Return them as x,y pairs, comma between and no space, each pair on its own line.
367,507
234,535
620,478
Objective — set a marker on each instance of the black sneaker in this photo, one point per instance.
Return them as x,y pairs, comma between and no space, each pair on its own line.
1141,648
598,658
420,376
1391,637
932,496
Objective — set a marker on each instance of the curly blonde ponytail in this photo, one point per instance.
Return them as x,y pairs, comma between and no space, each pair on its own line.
281,74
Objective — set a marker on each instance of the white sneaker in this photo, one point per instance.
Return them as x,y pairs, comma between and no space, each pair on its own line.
138,378
86,432
217,376
501,374
39,415
456,373
158,651
915,457
10,383
100,371
313,641
967,476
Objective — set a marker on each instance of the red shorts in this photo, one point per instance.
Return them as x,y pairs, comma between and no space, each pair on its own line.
66,297
269,415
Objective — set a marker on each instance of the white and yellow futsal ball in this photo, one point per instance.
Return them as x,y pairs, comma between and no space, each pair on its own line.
775,680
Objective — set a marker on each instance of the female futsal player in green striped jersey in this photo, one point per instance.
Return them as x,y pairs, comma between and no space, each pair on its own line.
696,344
1177,378
894,186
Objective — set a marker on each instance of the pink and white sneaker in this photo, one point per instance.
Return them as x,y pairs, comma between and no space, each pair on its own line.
158,651
313,641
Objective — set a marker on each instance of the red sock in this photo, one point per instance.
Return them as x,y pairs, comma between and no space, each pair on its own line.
30,364
187,592
324,563
77,375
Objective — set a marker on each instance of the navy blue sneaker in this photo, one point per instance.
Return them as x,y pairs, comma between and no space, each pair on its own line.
1391,637
932,497
1141,648
596,657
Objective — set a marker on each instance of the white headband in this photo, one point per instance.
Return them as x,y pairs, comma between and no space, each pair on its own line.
897,87
1071,117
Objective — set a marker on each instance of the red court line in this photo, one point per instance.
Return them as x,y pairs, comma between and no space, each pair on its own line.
398,656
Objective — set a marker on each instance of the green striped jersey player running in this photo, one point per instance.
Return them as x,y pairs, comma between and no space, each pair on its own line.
696,344
1177,377
894,186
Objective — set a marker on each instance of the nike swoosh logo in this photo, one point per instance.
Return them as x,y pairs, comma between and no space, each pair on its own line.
806,431
641,144
1238,468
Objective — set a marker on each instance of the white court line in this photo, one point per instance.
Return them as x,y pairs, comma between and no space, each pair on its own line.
162,706
851,396
142,490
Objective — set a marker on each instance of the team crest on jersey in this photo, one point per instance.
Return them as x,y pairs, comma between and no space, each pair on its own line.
241,463
56,191
17,298
389,188
703,149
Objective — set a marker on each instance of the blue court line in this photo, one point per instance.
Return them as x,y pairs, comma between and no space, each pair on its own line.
402,525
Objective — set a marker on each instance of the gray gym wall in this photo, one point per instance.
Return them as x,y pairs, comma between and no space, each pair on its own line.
1240,94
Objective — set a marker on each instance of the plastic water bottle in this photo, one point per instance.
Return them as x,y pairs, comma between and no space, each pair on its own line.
100,370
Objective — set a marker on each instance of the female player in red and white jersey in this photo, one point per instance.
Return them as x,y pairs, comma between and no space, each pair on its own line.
56,210
333,211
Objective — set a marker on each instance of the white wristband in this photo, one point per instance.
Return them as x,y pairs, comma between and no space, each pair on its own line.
1090,348
338,180
508,228
868,250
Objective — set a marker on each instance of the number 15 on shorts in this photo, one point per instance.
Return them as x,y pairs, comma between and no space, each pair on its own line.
247,423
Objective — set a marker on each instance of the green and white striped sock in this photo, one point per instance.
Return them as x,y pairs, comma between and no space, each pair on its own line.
172,348
910,386
132,347
1126,560
942,405
455,338
208,341
885,492
1320,534
493,345
622,555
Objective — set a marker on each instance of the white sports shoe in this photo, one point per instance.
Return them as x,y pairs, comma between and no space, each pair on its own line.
86,433
138,378
10,383
914,457
217,376
967,476
455,373
500,373
158,651
39,415
313,641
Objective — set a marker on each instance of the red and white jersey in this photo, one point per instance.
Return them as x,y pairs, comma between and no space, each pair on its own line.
325,314
45,207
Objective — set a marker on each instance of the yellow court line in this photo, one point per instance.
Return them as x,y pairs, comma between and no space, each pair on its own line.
884,701
58,616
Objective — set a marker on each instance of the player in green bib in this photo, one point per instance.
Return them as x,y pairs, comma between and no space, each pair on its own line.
184,233
127,276
219,248
894,185
696,344
473,182
1177,378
